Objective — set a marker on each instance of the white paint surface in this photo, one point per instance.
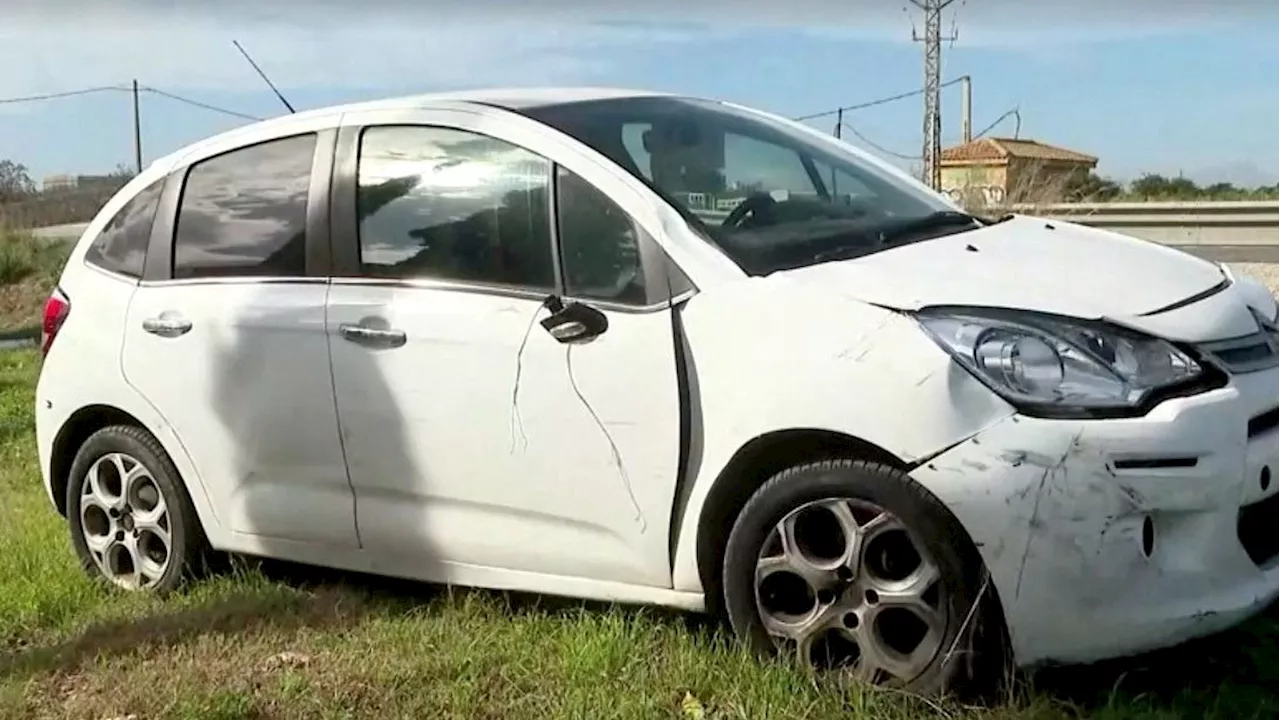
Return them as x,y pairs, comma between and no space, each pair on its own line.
476,454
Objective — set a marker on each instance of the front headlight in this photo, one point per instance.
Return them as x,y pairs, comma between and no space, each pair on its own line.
1058,366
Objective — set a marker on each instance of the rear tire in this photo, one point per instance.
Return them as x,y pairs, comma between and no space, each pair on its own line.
131,520
843,564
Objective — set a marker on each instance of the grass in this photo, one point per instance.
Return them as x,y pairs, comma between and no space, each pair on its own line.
29,268
272,641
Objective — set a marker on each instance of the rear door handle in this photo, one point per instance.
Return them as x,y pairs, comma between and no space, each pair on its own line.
372,337
167,325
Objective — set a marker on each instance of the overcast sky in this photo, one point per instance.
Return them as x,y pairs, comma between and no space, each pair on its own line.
1150,61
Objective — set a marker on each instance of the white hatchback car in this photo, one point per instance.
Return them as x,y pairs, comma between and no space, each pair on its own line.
664,350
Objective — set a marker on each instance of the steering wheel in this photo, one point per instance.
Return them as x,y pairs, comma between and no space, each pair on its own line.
753,204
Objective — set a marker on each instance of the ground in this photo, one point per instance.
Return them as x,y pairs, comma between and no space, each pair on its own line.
274,641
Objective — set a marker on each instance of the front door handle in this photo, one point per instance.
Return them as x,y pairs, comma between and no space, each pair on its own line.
372,336
167,325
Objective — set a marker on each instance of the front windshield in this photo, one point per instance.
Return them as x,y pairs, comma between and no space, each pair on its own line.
769,196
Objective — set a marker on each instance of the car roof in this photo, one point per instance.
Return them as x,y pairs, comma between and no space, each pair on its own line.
512,98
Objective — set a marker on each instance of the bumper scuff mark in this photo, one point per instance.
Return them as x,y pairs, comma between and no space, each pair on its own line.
1034,522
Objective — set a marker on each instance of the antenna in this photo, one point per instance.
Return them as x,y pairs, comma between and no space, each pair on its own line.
263,75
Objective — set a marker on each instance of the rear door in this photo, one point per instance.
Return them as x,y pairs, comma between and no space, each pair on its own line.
225,337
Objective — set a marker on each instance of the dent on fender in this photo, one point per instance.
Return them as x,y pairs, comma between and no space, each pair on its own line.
1051,499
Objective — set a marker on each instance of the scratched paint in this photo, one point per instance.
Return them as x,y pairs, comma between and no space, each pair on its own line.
1061,530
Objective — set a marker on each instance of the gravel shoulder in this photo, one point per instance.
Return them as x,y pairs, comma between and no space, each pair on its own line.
1268,273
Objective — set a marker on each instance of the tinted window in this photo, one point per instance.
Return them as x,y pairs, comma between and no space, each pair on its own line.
453,205
599,244
122,245
245,212
769,194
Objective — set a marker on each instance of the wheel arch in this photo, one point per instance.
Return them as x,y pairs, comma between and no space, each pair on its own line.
66,443
766,455
751,466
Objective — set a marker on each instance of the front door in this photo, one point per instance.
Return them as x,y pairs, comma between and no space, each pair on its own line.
229,346
474,438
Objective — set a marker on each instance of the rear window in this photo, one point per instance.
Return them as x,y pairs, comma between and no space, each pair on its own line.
121,247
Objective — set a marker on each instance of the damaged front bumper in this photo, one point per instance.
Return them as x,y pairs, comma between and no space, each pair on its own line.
1107,538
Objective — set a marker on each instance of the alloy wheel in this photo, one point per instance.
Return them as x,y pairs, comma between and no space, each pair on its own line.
844,585
125,522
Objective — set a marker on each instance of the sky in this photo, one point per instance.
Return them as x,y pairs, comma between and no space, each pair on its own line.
1167,86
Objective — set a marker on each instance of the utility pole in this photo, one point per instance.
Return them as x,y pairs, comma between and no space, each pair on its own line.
932,40
966,109
137,130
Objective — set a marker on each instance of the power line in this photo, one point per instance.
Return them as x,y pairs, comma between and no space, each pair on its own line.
866,141
197,103
125,88
68,93
872,103
1017,128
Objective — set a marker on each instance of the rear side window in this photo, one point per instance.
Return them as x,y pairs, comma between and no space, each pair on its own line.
121,247
244,213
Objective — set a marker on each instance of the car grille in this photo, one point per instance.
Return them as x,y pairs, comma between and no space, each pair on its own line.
1244,354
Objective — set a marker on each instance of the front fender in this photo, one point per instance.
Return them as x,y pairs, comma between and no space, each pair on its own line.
766,355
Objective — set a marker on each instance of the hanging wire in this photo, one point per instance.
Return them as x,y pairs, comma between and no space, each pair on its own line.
126,88
875,146
1017,131
197,103
872,103
66,94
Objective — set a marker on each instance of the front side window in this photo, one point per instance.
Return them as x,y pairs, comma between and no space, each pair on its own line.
121,247
768,195
244,213
453,205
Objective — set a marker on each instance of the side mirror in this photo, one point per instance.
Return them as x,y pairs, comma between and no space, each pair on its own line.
574,322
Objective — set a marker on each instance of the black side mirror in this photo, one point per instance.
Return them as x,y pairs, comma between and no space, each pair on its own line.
574,322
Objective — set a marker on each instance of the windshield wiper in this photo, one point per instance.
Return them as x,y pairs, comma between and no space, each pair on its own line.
885,236
842,252
939,219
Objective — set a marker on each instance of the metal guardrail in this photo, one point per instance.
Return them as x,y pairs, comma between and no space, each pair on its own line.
1236,223
1243,223
1225,223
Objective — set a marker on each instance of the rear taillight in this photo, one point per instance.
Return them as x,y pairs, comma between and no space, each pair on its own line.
56,309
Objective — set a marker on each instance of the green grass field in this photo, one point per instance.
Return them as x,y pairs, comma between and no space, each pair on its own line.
280,642
28,270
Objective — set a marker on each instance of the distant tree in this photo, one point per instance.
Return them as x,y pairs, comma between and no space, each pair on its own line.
123,172
1091,187
15,182
1152,186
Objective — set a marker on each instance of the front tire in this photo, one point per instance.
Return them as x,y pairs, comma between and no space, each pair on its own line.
850,566
131,520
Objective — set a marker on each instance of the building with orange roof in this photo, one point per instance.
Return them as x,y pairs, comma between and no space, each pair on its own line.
994,170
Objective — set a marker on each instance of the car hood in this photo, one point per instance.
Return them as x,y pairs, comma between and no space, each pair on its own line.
1028,264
